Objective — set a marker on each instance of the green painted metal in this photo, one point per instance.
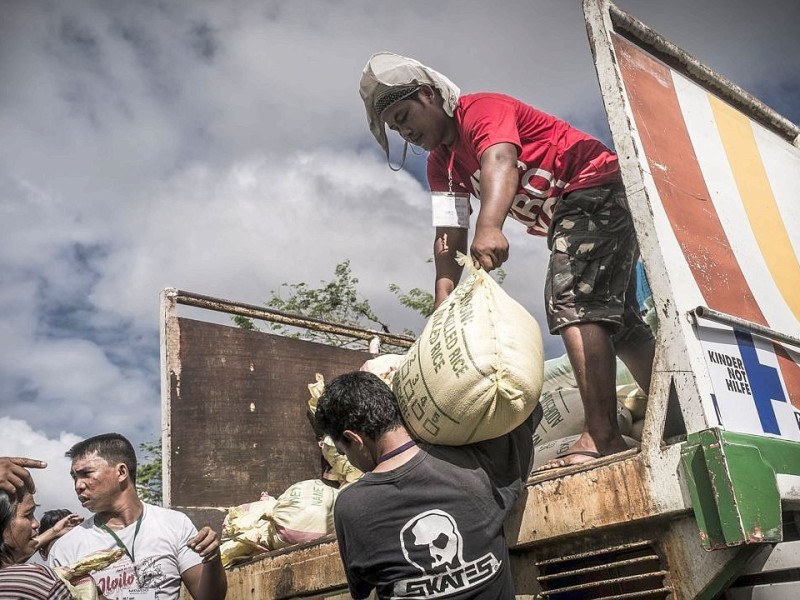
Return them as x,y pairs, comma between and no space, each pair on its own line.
732,481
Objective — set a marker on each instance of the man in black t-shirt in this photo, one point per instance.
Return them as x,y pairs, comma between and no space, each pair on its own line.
424,521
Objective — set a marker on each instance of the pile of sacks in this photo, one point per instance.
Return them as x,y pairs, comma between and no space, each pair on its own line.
563,416
304,512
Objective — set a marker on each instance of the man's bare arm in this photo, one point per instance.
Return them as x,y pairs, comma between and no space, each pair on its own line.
206,581
499,185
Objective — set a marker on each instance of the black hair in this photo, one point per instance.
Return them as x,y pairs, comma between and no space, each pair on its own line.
8,510
112,447
358,401
51,517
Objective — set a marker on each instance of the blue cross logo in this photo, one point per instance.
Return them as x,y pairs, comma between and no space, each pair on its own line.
765,383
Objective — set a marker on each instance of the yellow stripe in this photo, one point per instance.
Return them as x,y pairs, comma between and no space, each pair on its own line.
758,200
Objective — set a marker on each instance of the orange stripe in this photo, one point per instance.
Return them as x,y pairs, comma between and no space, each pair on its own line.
758,199
680,184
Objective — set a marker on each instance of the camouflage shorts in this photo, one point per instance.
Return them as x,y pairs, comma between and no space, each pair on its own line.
591,275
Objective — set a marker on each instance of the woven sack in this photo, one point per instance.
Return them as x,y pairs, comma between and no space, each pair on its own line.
563,415
476,371
304,512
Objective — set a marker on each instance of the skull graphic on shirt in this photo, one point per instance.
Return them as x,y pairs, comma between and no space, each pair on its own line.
431,541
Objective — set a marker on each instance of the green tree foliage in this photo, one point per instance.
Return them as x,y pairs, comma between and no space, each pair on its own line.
148,473
339,301
416,299
336,301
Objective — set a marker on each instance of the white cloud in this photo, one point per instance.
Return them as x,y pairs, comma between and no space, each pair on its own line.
53,485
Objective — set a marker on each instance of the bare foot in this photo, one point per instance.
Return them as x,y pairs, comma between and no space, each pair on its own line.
582,451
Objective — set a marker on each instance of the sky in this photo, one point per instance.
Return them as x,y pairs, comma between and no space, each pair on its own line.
221,147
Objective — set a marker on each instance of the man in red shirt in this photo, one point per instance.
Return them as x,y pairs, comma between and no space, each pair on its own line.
557,181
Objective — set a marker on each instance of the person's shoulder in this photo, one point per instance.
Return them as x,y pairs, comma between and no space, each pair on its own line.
355,497
163,513
467,101
352,491
31,581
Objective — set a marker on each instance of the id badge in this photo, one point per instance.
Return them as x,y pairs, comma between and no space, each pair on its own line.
450,209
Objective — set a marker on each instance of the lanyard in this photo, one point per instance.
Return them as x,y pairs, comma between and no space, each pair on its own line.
396,451
121,544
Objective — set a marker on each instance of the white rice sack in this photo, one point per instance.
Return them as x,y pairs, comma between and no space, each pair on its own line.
558,374
384,366
563,415
476,371
316,390
557,448
304,512
246,530
634,399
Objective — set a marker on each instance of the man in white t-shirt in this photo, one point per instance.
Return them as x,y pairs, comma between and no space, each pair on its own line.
162,547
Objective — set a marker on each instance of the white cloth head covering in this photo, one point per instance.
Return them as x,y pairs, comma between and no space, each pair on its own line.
386,70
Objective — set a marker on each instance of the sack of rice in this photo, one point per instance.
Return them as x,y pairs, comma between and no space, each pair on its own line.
563,416
558,374
559,448
633,398
246,530
304,512
75,576
384,366
315,390
475,373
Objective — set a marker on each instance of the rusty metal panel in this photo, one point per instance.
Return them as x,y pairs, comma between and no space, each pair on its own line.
314,569
237,413
612,494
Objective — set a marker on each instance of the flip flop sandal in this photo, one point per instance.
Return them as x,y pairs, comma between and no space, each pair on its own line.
590,453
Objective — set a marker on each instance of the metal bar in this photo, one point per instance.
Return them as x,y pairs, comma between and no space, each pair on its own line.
167,326
612,565
593,584
284,318
592,553
726,89
712,315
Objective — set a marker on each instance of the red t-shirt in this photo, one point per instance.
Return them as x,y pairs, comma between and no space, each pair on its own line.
554,157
